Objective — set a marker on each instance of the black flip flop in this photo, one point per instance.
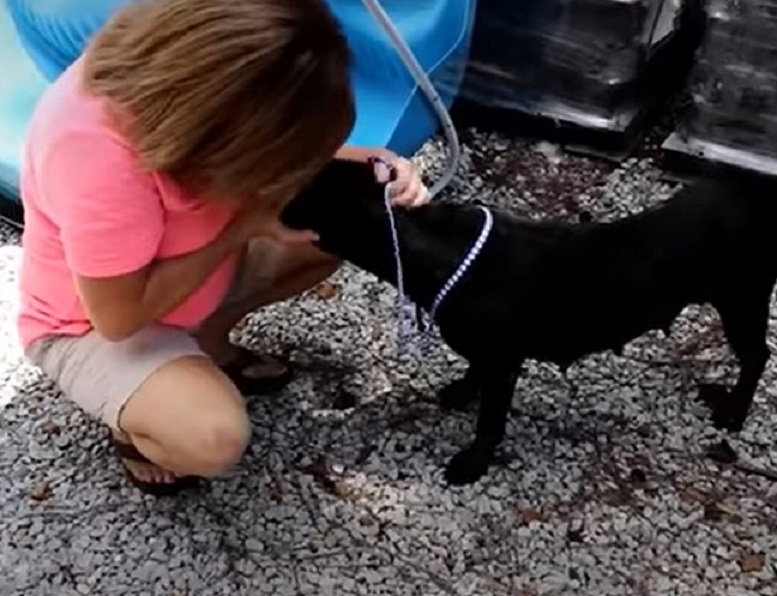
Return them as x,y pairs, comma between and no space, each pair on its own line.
127,451
248,385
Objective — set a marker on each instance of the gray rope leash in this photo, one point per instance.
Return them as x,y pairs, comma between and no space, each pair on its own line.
414,326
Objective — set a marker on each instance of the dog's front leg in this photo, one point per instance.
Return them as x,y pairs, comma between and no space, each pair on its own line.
497,387
462,392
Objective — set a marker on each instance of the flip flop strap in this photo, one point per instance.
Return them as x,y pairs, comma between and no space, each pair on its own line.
129,451
244,359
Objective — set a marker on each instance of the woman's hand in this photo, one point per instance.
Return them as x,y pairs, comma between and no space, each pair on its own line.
408,190
262,223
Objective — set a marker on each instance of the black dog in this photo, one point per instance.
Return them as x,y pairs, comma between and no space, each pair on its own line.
556,291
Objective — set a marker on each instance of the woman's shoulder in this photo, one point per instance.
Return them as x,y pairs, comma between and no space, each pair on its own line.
75,162
67,112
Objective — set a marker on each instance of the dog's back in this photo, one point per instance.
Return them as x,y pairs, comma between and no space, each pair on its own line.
566,290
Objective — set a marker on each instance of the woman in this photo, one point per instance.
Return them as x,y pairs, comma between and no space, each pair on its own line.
154,172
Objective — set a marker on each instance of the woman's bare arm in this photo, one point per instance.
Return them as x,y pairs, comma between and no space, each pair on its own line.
120,306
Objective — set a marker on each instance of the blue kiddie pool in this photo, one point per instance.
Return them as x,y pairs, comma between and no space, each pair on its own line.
40,38
20,86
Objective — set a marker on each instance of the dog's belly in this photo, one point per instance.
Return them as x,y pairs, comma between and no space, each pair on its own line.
566,339
560,344
561,336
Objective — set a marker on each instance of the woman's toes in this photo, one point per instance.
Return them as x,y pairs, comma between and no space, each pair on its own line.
149,472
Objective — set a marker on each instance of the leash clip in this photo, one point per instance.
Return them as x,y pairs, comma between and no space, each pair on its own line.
392,170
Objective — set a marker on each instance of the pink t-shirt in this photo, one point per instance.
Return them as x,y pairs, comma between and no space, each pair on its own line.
91,211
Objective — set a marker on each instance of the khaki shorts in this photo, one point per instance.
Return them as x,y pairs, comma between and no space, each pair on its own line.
100,376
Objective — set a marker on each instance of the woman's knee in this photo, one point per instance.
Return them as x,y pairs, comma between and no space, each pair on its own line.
208,447
193,420
217,444
271,262
310,261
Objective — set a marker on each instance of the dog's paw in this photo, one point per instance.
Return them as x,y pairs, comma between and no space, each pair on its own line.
713,396
727,420
466,467
457,395
722,407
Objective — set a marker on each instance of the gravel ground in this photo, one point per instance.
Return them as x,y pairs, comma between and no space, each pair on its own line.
603,486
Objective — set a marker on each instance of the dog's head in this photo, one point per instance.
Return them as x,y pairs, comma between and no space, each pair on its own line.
342,190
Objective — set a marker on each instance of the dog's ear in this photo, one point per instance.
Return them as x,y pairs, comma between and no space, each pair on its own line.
336,191
308,205
298,212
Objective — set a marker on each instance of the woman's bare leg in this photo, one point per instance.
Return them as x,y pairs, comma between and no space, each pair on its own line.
188,419
272,274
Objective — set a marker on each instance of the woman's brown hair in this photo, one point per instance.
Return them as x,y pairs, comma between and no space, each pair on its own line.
237,99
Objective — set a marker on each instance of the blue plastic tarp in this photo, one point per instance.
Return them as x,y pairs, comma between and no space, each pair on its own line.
40,38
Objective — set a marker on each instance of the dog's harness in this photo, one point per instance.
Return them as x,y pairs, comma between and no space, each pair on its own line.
415,325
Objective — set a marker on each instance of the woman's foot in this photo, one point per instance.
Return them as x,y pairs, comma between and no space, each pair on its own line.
252,373
145,475
144,471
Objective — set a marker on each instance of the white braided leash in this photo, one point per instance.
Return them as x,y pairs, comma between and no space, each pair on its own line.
414,332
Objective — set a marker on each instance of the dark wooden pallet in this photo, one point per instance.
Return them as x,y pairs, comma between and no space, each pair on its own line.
688,157
11,211
639,104
613,139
